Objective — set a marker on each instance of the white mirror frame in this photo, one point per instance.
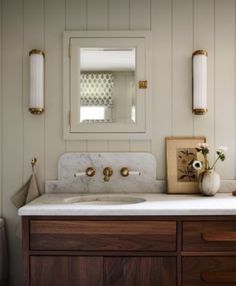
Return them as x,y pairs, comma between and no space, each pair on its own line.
121,135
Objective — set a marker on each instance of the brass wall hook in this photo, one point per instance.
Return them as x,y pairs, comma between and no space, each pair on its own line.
33,163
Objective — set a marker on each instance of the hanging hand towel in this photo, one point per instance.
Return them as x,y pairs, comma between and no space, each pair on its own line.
27,193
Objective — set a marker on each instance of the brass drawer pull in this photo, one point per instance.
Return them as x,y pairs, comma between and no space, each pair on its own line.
219,277
229,236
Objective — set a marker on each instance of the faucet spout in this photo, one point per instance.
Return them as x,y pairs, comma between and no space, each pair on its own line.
107,172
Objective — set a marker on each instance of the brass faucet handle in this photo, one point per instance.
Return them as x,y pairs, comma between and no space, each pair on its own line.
90,172
107,172
124,172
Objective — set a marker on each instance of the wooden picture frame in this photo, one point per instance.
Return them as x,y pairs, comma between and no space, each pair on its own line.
180,151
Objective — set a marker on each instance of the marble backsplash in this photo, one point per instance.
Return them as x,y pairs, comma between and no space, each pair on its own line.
71,163
145,163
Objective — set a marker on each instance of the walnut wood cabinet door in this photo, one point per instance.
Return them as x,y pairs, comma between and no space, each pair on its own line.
140,271
66,271
209,271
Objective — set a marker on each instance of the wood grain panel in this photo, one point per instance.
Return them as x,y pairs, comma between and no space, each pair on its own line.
209,236
182,67
225,84
209,271
33,125
204,39
54,143
139,271
103,235
86,271
66,271
49,270
162,81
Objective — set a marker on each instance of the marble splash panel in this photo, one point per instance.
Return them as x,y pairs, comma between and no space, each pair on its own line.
70,163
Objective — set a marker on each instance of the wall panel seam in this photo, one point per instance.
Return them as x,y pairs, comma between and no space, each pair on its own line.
129,13
108,23
234,83
1,101
193,48
44,119
172,57
22,69
214,83
86,22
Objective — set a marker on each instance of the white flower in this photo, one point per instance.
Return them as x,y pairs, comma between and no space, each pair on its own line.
222,149
197,165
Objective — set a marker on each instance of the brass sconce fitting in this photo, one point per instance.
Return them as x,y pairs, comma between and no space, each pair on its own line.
107,172
36,83
199,96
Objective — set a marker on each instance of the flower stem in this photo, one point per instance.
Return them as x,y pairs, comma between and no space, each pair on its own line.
215,162
206,162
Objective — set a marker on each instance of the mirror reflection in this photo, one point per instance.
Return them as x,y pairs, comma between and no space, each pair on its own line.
107,85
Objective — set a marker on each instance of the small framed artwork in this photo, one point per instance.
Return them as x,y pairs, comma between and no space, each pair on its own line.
182,178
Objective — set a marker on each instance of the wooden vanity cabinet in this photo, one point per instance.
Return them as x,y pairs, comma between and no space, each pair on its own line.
68,251
129,251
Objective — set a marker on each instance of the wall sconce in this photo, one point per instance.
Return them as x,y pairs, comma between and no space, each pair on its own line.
36,81
200,82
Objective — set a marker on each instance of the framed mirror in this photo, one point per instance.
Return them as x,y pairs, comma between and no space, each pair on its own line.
105,94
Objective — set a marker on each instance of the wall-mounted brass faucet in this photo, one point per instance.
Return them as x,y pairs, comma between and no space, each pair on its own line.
107,172
90,172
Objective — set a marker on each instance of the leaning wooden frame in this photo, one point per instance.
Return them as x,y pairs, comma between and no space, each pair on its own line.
182,178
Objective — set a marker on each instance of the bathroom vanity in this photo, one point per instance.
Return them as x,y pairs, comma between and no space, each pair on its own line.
131,244
104,222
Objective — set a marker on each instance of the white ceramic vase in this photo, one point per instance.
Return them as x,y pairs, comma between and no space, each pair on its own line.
209,182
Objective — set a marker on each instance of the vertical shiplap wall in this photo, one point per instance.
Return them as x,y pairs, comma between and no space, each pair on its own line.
13,122
178,27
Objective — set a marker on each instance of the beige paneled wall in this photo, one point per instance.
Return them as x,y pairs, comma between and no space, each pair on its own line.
13,121
225,82
178,28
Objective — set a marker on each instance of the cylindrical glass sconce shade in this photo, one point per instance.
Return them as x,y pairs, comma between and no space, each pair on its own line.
200,82
36,82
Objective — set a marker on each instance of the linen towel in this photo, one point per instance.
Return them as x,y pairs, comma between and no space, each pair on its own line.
27,193
3,255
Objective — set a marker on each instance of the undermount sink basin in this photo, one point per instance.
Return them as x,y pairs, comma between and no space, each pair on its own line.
104,200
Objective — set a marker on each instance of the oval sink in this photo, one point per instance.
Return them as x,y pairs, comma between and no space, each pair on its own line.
104,200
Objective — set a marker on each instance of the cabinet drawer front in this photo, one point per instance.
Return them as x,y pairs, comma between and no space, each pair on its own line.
209,236
103,235
220,271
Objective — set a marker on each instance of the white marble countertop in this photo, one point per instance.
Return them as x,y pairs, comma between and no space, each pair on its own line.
154,204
